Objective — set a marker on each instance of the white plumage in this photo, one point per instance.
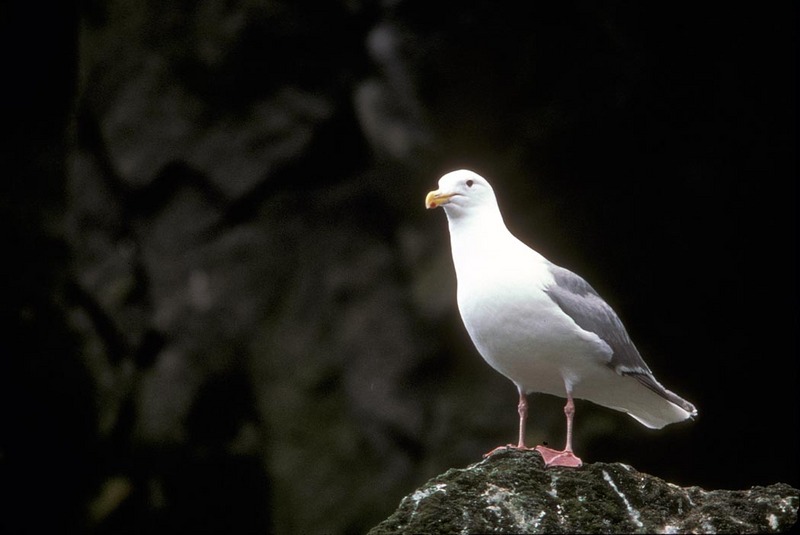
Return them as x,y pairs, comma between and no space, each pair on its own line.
540,325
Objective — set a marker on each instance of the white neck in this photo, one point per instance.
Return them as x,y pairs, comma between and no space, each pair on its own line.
476,234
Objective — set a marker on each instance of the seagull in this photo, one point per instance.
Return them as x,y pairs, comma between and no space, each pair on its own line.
540,325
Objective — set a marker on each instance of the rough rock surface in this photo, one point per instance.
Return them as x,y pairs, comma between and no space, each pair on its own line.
511,492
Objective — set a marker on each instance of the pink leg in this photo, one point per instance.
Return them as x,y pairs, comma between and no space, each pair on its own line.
566,457
569,410
522,408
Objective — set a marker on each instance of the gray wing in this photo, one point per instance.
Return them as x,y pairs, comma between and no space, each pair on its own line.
584,305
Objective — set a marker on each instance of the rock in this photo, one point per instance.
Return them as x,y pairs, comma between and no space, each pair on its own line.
511,492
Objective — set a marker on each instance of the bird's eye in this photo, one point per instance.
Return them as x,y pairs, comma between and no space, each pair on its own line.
470,183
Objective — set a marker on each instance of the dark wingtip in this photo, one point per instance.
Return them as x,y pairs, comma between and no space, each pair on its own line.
650,382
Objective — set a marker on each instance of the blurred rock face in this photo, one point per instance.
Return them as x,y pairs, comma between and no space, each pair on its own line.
244,272
266,316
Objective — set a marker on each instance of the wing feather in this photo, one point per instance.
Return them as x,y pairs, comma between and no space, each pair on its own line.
583,304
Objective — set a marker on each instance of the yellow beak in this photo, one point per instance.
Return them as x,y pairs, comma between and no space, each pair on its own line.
436,198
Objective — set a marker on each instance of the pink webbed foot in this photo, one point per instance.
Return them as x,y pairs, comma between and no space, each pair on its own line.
558,458
506,447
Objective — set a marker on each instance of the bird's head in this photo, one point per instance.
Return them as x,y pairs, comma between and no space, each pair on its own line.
461,192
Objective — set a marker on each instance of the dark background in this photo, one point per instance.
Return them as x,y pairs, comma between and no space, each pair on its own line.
227,310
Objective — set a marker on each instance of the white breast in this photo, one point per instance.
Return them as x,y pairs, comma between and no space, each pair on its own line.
515,325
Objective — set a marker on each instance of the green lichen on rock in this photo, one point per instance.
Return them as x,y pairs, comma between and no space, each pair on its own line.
511,492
